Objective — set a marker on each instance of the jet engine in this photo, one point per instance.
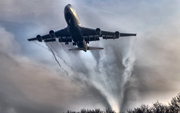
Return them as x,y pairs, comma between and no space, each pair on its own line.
39,38
98,31
117,34
52,34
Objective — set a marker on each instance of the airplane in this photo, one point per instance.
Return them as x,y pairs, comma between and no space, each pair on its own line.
78,35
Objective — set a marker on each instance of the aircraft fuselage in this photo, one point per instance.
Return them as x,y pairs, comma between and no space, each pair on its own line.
74,27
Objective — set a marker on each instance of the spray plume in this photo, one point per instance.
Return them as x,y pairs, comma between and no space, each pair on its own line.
103,77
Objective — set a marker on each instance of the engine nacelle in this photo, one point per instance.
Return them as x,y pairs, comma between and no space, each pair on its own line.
117,34
39,38
52,34
98,31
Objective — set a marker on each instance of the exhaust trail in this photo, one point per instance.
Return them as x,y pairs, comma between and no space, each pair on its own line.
57,60
50,49
61,66
41,45
54,55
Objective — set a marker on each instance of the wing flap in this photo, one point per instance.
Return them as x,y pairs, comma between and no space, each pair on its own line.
91,38
65,39
108,37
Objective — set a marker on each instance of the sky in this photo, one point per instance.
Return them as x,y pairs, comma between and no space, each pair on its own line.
129,71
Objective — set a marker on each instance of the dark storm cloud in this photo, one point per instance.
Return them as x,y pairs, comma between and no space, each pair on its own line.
158,61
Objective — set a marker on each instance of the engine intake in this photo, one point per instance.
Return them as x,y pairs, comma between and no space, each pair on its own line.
98,31
52,34
117,34
39,38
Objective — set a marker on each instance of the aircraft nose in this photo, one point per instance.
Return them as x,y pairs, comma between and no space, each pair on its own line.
67,8
69,5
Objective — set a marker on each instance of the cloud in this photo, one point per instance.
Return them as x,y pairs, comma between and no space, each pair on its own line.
158,60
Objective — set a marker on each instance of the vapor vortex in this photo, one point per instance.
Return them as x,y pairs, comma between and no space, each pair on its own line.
128,62
103,73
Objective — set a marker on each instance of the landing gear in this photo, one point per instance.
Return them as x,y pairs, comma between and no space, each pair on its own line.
74,44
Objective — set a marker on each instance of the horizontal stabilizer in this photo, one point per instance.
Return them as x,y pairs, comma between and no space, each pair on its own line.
94,48
76,49
88,48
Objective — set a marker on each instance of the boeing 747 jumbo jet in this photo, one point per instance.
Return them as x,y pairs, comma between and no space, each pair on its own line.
77,34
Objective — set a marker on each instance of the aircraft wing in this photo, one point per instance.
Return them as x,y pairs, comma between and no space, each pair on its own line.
91,34
63,36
